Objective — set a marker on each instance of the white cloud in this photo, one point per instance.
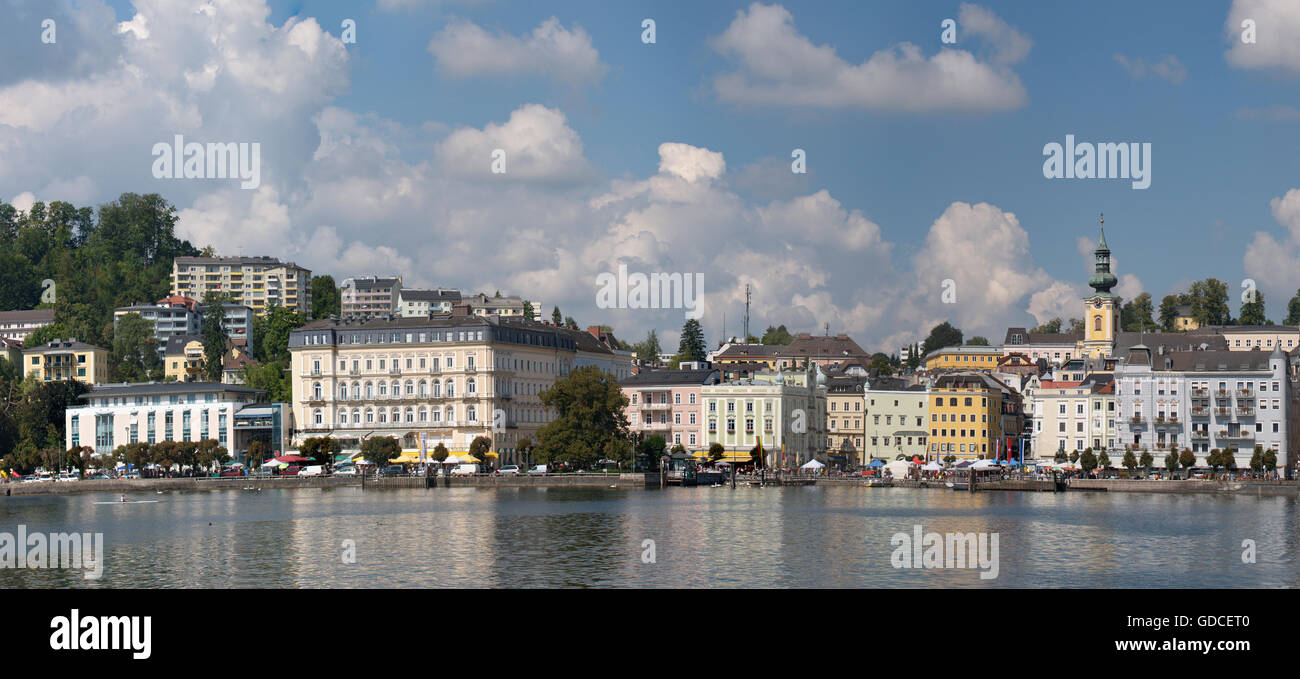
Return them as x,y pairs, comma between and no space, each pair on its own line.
463,50
690,162
1277,22
538,143
1009,45
779,66
1166,68
1274,263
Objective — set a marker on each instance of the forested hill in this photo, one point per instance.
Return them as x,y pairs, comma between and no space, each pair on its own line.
118,255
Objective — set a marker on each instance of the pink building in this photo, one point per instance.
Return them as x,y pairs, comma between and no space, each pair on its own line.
669,403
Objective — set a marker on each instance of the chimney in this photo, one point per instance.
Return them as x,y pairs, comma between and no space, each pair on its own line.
594,331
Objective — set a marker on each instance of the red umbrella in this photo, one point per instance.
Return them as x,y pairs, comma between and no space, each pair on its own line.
291,458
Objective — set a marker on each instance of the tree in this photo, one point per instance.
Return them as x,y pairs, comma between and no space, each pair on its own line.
1051,327
716,452
378,450
1270,459
1169,311
1187,458
1130,461
134,356
589,408
1293,310
570,323
480,447
256,453
692,347
277,382
1088,460
1214,460
1103,460
1145,460
271,334
326,300
1171,462
1252,311
1076,326
647,352
1209,300
440,452
977,341
214,337
777,335
556,318
1135,315
651,449
321,449
529,312
756,457
942,335
1074,456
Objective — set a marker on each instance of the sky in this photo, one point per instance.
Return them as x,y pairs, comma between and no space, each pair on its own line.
924,159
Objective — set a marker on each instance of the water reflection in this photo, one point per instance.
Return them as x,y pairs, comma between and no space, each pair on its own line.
703,537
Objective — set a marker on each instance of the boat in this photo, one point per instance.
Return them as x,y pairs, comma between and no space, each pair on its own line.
958,485
878,483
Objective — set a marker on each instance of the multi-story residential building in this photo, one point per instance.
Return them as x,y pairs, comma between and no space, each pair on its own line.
1057,348
369,296
423,303
1203,400
824,351
669,403
973,414
177,316
1074,416
66,359
844,417
964,358
895,420
256,282
120,414
785,411
17,325
183,358
448,379
482,305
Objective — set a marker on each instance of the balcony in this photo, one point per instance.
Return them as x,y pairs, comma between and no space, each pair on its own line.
1200,412
1245,393
1245,411
1200,392
1243,434
1199,434
656,406
395,371
1137,419
1222,394
1223,412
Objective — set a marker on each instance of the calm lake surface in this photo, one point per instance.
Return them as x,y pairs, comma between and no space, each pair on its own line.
703,537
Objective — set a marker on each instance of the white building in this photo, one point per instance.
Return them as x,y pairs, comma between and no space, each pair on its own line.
1202,400
17,325
787,410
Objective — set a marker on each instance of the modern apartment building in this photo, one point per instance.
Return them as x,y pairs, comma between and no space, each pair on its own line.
119,414
785,410
413,303
482,305
369,296
1204,400
669,403
255,282
450,379
895,420
17,325
66,359
173,317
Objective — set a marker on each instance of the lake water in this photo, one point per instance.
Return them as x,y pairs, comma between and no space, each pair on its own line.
702,537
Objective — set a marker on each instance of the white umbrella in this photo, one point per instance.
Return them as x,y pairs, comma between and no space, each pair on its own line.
984,464
812,464
932,467
451,459
272,463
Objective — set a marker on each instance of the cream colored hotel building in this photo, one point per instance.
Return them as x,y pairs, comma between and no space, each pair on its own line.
449,379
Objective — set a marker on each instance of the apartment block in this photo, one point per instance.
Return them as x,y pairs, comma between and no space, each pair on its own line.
66,359
255,282
669,403
369,296
17,325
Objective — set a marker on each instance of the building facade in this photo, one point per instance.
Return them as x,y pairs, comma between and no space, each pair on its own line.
844,417
785,411
669,403
255,282
423,303
17,325
66,359
369,296
120,414
973,415
895,421
964,358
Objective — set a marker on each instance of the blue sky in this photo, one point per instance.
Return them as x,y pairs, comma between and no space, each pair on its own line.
1223,128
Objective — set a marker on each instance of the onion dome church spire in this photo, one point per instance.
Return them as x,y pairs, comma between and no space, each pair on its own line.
1102,279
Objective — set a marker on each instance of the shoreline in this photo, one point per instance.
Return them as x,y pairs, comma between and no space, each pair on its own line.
622,481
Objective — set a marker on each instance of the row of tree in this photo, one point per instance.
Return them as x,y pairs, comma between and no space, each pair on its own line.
1226,459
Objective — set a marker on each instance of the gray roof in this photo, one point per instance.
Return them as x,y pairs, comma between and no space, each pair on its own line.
1042,337
263,260
1171,341
61,345
176,343
430,295
27,315
150,388
647,378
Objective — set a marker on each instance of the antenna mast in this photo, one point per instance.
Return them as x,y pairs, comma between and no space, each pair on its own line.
747,313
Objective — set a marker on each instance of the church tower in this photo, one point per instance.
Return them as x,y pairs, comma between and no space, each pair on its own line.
1101,308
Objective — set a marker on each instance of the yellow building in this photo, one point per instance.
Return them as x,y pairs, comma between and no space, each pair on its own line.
1184,320
845,435
183,358
255,282
67,360
964,358
970,415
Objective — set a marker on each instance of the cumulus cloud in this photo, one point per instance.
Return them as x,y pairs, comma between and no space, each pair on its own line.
690,162
777,65
463,50
537,141
1277,22
1165,68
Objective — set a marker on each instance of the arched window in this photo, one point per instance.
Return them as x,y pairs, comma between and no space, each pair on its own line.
370,391
424,388
424,414
356,391
1096,322
343,391
410,387
315,390
343,417
410,414
437,389
383,390
471,414
370,416
451,413
383,415
319,418
451,389
470,386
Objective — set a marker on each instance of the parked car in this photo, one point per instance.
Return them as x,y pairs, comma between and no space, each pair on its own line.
538,469
392,470
465,469
509,469
347,470
291,470
233,471
100,476
313,470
